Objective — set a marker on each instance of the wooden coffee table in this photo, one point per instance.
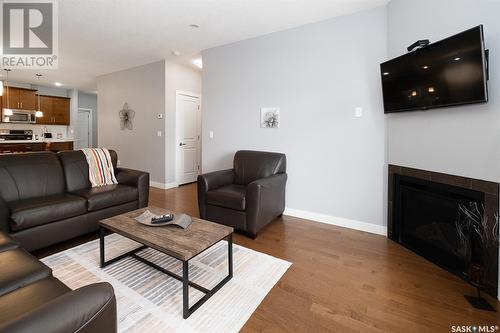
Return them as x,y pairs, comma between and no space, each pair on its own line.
182,244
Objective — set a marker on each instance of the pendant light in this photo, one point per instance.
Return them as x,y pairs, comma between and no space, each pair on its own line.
38,113
7,111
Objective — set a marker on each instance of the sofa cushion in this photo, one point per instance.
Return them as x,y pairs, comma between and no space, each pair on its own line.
76,169
20,269
108,196
229,196
7,243
30,175
38,211
25,299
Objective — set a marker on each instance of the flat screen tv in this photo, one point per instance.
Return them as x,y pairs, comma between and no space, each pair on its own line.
449,72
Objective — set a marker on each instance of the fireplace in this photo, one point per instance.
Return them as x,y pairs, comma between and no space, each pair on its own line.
423,210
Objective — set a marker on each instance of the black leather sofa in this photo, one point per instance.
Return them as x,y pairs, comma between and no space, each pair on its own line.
248,196
32,300
46,198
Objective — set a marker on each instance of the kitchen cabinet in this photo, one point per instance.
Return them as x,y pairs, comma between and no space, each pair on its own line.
56,110
46,108
19,98
6,148
18,147
58,146
60,110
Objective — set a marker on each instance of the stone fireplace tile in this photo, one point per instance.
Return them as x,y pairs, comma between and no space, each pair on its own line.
394,169
416,173
485,186
451,180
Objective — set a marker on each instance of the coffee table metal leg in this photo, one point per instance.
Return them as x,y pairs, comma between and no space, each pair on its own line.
185,289
230,255
101,247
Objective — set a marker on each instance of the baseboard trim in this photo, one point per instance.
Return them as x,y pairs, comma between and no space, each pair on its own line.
163,186
338,221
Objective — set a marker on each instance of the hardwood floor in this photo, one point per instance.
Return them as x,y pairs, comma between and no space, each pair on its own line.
343,280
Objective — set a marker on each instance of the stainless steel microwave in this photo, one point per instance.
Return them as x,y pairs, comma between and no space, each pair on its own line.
19,116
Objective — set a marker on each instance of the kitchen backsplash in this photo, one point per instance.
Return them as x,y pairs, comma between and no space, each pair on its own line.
66,131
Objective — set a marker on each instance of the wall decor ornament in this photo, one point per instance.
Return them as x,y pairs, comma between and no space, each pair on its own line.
126,116
270,117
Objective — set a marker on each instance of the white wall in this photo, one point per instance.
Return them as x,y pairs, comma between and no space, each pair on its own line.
461,140
317,74
179,77
143,88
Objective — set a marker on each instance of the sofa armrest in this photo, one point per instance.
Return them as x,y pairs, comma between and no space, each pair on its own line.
4,216
88,309
265,200
139,179
210,181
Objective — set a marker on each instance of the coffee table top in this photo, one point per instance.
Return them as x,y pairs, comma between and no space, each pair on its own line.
182,244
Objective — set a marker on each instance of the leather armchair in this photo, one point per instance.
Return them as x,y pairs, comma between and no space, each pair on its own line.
248,196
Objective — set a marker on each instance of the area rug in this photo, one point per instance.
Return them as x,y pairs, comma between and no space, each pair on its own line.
150,301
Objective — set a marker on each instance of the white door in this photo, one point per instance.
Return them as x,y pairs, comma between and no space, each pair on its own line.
188,128
83,129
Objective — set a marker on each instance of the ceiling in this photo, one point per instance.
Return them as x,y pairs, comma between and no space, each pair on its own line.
103,36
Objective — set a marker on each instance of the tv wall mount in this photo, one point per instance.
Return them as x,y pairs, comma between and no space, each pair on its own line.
419,44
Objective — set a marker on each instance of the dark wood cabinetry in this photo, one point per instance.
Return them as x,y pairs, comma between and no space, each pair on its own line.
19,98
56,110
58,146
6,148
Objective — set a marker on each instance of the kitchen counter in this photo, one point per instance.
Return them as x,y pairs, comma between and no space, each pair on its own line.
37,141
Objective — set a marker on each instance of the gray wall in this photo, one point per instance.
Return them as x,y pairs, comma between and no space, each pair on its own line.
179,77
461,140
89,101
143,88
317,74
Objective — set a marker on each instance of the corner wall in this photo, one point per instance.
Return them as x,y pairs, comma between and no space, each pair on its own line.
143,88
465,140
317,74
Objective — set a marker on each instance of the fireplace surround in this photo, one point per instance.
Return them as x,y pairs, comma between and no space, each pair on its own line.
422,210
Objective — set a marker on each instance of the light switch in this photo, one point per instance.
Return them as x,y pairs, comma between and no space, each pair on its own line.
211,134
158,133
358,112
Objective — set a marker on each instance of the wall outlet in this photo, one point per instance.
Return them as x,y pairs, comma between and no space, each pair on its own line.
211,134
358,112
118,163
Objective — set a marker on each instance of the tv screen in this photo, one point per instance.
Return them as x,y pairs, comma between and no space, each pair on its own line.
445,73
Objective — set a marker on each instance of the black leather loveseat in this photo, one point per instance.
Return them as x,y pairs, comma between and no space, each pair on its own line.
32,300
46,198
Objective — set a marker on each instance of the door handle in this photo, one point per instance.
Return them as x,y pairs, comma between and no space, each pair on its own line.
182,144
